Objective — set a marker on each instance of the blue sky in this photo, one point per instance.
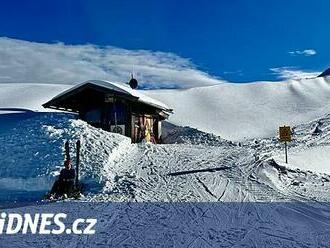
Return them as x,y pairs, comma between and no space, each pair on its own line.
233,40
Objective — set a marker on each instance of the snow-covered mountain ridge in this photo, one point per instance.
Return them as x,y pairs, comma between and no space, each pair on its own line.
251,110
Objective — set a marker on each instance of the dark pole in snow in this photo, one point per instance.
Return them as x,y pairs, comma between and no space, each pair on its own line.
286,152
77,162
67,150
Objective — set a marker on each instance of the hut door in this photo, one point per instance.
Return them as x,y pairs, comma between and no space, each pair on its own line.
142,128
148,128
137,129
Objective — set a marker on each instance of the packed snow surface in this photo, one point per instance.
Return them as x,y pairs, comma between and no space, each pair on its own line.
192,166
195,225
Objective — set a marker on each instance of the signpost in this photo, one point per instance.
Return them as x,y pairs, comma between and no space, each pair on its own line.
285,136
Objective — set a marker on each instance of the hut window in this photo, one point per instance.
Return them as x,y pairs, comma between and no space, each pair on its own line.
93,116
118,114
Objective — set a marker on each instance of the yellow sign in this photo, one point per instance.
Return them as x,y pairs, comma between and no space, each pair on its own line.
285,134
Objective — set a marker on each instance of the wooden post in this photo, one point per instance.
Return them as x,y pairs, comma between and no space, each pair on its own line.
285,136
77,162
67,150
286,152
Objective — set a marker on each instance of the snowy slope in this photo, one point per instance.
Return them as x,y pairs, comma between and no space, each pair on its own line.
28,96
200,167
240,111
309,150
31,154
233,111
198,190
206,225
195,166
316,159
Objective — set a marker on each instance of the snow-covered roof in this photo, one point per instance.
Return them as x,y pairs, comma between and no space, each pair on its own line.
122,88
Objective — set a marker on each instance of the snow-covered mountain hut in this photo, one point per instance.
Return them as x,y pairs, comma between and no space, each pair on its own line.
114,107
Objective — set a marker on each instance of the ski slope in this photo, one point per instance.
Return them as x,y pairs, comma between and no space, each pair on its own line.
196,191
192,167
185,225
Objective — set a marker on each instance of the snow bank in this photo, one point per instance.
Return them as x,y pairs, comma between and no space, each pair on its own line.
310,148
314,159
32,155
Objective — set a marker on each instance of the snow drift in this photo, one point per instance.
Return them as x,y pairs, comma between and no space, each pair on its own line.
31,154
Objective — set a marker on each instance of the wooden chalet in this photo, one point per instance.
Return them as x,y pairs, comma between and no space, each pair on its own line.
114,107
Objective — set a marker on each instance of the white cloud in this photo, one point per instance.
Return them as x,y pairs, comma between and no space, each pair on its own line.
26,62
237,72
288,73
306,52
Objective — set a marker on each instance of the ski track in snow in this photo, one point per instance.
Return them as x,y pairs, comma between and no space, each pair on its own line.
186,225
198,167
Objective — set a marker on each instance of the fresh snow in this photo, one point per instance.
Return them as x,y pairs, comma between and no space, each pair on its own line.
232,111
252,110
264,202
120,87
31,154
28,96
194,165
315,159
